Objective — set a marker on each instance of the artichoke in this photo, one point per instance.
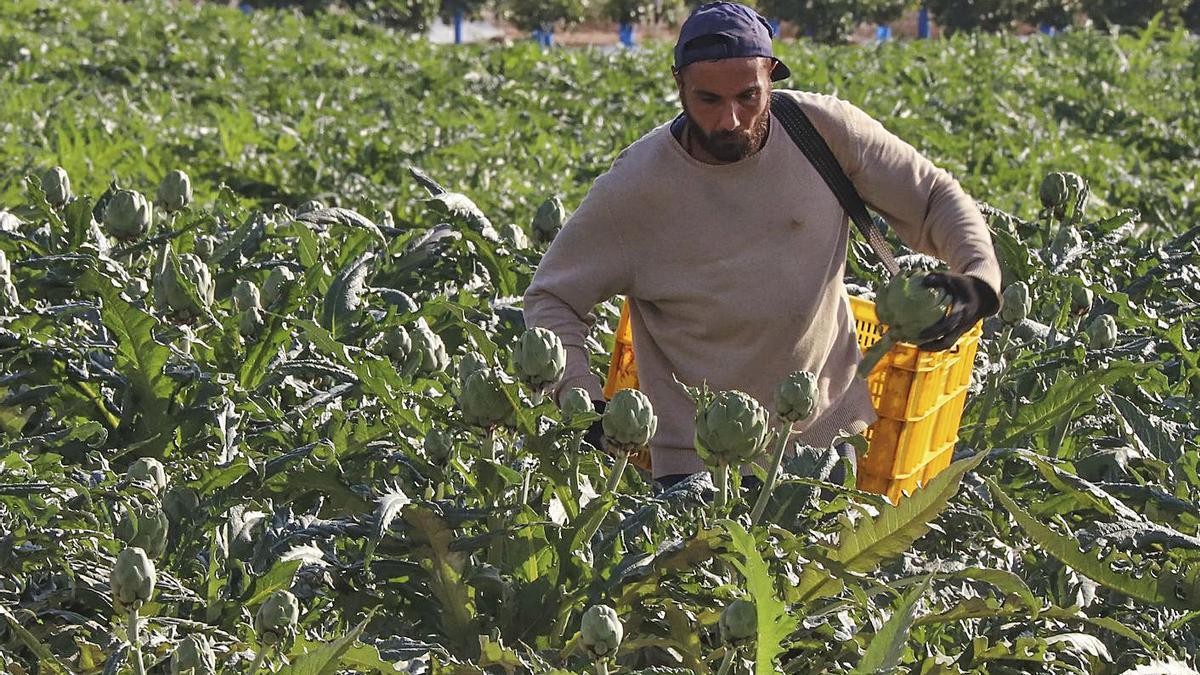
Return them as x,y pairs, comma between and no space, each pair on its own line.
1081,299
482,399
1102,332
438,445
576,401
146,528
796,398
732,429
277,282
1017,303
132,578
277,617
309,206
539,359
515,236
8,290
172,293
175,191
428,351
739,622
251,322
194,656
548,220
204,246
600,631
128,215
1067,239
396,344
148,470
629,421
469,363
57,186
245,296
1054,190
181,504
907,307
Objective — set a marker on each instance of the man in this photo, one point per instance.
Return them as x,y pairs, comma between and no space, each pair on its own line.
731,248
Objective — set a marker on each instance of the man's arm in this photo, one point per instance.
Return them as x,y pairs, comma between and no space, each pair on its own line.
586,264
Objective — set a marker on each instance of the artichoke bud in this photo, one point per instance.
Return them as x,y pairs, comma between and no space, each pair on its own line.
396,344
1067,239
739,622
1081,299
245,296
438,445
148,470
576,401
796,398
600,631
278,280
137,288
277,617
57,186
907,306
548,220
175,191
180,504
628,421
1017,303
469,363
127,216
1054,190
145,527
309,206
539,359
251,322
429,352
732,429
132,578
1102,332
515,236
204,246
194,656
482,399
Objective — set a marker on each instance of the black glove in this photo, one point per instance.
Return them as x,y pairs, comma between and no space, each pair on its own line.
595,433
971,300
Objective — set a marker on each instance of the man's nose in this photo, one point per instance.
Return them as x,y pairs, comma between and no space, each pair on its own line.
728,120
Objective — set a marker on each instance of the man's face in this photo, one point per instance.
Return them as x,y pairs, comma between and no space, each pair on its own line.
728,105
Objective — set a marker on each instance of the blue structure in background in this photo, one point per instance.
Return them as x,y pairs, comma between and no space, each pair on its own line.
774,27
923,31
544,38
626,34
458,20
883,33
1047,29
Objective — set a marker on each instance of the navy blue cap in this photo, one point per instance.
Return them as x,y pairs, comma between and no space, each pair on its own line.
724,30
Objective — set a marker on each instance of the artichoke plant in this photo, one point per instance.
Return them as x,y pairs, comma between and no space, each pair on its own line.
171,287
438,445
515,236
276,619
1067,239
57,186
396,344
1017,303
245,296
278,279
251,322
600,631
548,220
150,471
539,359
1102,332
194,656
180,504
576,401
9,299
1081,299
796,397
204,246
128,215
132,578
145,527
738,622
469,363
1054,190
482,399
428,354
175,191
629,421
731,430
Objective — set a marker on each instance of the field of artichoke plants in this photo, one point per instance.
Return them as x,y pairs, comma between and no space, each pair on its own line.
268,403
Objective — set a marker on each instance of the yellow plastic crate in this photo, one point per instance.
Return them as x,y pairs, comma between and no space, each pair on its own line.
918,396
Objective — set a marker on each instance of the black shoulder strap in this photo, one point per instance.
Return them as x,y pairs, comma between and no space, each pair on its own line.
814,147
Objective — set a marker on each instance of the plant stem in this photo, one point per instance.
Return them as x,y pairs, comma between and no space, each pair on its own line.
990,396
134,643
525,479
764,496
491,443
260,655
727,661
1060,433
561,628
573,474
602,667
722,482
614,478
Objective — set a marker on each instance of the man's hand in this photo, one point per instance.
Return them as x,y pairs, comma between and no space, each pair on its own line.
971,300
595,433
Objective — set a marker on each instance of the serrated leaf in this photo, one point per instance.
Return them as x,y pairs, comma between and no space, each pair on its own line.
775,623
343,299
887,645
339,216
1067,396
325,659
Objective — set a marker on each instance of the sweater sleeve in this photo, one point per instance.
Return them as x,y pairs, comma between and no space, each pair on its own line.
586,264
928,208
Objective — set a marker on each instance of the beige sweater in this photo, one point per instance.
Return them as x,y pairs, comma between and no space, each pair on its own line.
734,271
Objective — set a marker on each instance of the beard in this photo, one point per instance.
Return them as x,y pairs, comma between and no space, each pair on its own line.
731,146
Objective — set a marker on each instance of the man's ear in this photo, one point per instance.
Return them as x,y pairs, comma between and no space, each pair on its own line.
678,78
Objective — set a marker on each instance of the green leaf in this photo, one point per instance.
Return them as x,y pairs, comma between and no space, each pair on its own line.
863,545
1155,591
325,659
774,621
343,300
1068,395
280,576
43,653
887,645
